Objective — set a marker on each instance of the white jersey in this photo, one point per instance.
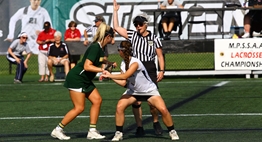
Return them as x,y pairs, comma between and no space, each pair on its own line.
32,23
140,81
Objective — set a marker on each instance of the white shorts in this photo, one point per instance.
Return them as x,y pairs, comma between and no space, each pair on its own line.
77,90
61,62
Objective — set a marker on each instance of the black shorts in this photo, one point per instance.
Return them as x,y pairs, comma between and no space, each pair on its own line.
141,98
255,15
171,15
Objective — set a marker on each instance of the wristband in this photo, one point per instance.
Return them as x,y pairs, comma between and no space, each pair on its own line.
162,71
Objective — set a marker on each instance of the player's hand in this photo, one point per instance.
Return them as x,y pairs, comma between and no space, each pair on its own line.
116,6
114,64
105,73
160,76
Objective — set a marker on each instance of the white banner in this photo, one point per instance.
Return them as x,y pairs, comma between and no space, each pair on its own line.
238,54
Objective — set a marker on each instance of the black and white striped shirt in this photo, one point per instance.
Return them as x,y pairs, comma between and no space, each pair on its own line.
144,48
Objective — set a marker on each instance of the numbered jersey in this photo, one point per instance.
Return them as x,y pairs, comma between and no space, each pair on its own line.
32,23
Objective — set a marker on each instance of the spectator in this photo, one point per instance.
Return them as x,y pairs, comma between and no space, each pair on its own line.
139,88
254,17
73,34
44,39
98,20
80,85
145,47
15,56
57,55
32,20
169,18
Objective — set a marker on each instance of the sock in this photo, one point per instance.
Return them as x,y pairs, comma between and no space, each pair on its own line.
119,128
92,127
60,126
156,123
170,128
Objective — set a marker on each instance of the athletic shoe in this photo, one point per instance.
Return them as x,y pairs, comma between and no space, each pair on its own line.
118,136
52,78
94,135
16,81
256,34
173,135
59,134
246,35
140,131
158,129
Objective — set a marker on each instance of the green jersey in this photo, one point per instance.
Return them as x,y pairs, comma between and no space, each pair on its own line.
78,77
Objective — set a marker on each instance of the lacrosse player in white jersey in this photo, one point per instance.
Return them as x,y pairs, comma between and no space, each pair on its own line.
140,87
32,19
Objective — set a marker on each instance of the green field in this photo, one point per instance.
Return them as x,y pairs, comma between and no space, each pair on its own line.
203,109
177,61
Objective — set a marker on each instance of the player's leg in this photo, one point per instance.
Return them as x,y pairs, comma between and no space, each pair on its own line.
151,69
123,103
137,111
78,100
96,101
156,125
159,103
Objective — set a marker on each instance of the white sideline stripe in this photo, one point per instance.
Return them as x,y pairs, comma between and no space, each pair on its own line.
221,83
112,116
101,83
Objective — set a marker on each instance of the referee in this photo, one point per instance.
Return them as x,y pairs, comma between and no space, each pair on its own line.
145,47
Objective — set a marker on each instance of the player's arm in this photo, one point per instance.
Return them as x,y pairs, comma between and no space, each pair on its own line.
120,30
161,61
133,67
88,66
120,82
17,16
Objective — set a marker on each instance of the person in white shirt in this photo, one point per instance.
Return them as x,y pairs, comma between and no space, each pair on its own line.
140,87
32,21
169,18
15,56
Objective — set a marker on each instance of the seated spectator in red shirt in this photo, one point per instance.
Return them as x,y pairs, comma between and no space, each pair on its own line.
57,55
73,34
